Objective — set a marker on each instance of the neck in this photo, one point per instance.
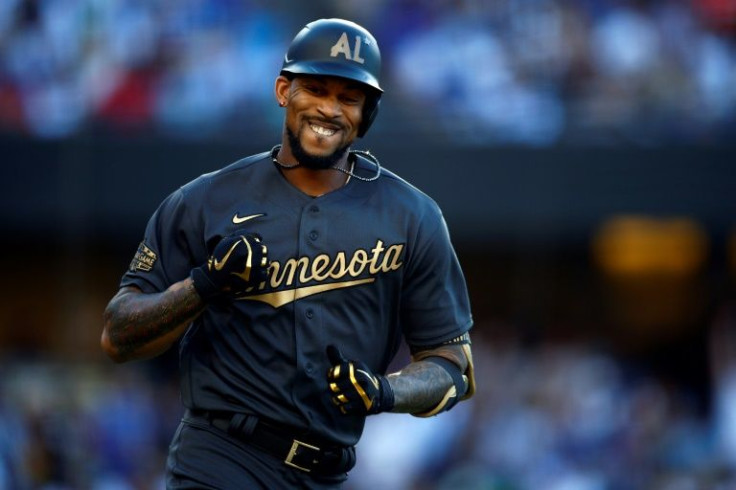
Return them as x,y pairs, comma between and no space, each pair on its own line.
313,182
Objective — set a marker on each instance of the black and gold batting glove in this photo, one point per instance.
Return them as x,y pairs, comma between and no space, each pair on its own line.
354,388
239,262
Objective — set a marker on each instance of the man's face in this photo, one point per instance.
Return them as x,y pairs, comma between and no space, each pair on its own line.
322,118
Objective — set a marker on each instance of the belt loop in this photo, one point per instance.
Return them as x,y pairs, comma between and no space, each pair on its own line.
242,424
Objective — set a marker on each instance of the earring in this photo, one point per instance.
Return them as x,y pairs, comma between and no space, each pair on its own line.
282,103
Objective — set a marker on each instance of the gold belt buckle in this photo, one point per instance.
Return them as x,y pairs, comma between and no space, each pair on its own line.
292,452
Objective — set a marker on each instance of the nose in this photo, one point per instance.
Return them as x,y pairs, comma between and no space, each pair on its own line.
329,106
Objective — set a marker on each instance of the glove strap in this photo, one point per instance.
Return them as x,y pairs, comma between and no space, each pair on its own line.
386,400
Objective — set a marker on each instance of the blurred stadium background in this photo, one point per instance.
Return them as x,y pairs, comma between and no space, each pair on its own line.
583,152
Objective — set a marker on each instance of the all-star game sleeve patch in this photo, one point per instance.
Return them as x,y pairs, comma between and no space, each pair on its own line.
144,259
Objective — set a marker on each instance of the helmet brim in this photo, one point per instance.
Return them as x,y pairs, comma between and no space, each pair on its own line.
322,68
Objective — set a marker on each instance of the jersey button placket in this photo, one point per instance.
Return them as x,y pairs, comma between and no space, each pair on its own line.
307,335
308,316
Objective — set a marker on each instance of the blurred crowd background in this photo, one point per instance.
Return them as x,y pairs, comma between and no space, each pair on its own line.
546,71
582,150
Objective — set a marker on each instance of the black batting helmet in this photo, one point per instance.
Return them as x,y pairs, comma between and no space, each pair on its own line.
339,48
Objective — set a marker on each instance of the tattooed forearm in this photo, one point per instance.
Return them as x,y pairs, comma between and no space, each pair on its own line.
419,386
141,325
422,385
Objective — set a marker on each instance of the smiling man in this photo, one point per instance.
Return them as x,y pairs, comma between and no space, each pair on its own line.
289,279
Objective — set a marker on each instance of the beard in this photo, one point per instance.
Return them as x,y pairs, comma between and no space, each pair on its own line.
310,161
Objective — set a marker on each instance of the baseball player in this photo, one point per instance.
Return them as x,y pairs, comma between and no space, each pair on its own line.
289,279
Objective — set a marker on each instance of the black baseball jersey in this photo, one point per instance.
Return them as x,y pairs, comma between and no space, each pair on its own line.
358,267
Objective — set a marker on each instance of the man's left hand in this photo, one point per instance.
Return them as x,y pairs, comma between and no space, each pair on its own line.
354,388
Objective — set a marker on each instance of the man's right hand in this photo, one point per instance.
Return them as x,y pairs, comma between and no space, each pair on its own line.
239,262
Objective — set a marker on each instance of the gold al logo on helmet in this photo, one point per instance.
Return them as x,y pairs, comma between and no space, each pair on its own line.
342,46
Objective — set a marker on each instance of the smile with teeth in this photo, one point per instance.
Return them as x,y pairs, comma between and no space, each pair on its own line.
321,130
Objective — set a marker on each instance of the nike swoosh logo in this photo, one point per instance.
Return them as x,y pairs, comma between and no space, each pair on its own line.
220,264
363,395
237,219
373,380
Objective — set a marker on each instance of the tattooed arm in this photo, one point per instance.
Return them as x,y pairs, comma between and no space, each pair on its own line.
422,384
141,326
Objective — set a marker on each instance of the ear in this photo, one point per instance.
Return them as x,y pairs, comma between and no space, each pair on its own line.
282,87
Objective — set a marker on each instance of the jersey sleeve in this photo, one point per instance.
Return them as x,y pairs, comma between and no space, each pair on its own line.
165,255
435,304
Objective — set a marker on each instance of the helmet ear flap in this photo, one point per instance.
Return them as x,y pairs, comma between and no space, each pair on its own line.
370,111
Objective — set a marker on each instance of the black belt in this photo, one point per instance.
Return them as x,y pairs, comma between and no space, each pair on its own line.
310,457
